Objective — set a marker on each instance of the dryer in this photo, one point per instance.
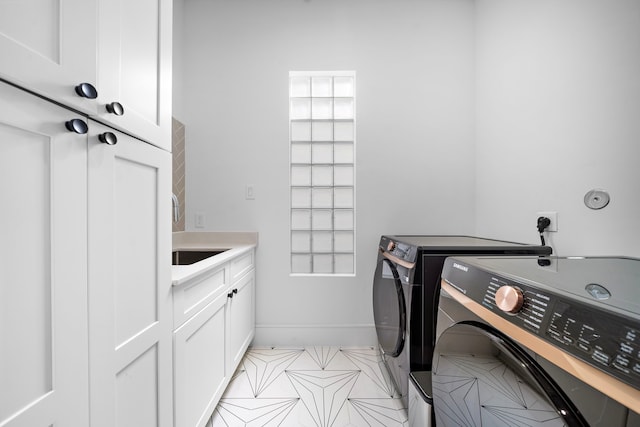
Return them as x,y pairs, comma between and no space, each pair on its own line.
405,294
531,341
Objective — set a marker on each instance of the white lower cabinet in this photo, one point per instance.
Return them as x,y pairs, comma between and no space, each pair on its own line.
199,359
210,344
241,320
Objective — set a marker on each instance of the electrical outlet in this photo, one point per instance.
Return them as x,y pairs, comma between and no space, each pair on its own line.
553,216
199,220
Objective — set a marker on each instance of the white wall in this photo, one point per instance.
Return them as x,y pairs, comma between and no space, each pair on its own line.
415,152
178,59
558,102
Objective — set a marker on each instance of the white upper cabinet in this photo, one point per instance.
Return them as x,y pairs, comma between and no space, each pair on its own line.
121,48
49,47
134,60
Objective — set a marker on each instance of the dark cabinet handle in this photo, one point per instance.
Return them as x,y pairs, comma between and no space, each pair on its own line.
115,108
230,295
77,126
235,291
108,138
87,90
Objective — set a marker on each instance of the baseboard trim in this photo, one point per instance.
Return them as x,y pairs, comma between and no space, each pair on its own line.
307,335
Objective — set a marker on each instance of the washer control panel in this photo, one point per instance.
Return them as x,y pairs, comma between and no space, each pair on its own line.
608,341
400,250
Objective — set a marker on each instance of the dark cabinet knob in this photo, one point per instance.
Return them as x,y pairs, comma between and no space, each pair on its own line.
115,108
230,295
235,291
77,126
108,138
87,90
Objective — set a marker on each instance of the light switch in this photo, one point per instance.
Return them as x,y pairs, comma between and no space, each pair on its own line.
249,192
199,220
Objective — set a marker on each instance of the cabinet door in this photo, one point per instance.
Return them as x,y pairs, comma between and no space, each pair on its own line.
129,282
241,319
49,47
43,293
134,57
199,360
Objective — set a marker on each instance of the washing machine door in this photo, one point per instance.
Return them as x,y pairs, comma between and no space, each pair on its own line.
389,308
481,377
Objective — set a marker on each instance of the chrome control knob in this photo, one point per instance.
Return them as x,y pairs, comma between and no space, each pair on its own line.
509,299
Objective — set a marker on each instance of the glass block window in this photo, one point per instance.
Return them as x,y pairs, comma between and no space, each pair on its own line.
322,172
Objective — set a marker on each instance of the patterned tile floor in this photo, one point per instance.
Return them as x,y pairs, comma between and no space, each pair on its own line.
314,387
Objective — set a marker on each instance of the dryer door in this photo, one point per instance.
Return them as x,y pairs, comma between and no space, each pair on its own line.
481,377
389,308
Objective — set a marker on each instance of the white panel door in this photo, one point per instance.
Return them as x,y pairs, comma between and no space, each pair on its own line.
241,319
199,360
43,257
130,320
134,63
49,47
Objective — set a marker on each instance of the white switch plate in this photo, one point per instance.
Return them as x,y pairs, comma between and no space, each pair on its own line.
199,220
553,216
250,192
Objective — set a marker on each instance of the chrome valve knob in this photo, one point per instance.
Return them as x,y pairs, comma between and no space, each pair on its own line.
509,299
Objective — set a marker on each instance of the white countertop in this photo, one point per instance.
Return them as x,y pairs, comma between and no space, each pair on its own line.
237,243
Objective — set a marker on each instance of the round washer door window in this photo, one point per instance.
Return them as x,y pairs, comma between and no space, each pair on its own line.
389,308
480,377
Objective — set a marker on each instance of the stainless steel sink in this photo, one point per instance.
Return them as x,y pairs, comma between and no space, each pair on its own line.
186,257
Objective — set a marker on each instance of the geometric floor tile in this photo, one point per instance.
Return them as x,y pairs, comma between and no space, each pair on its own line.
380,412
324,393
371,365
252,412
311,387
264,366
322,355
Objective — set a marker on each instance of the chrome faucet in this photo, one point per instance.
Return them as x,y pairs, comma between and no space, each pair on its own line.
176,207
